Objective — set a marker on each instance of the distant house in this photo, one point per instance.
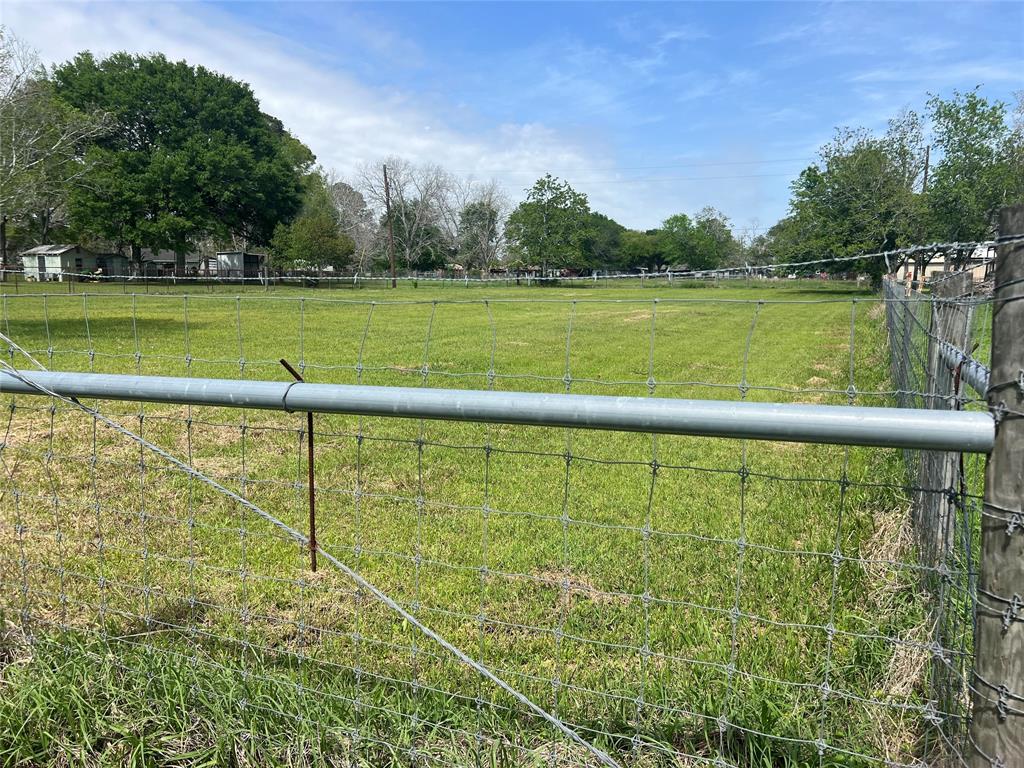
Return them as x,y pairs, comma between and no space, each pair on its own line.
113,264
239,264
58,262
163,262
979,263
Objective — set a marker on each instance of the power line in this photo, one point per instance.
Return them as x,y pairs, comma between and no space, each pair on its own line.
635,167
644,180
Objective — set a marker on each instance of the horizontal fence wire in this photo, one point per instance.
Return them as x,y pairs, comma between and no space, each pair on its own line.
973,254
667,599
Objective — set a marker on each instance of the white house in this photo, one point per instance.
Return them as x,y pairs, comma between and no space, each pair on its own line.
979,263
57,262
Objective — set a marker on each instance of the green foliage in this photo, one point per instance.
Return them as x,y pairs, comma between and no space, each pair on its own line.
549,228
602,244
641,250
867,192
981,167
714,242
479,233
860,197
189,155
314,240
417,235
704,242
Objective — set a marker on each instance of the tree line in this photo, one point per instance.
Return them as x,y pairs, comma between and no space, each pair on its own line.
937,178
139,152
136,152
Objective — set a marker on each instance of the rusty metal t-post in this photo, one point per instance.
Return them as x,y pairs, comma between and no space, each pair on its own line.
309,467
997,717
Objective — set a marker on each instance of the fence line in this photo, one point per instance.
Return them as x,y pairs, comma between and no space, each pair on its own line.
41,389
666,599
892,258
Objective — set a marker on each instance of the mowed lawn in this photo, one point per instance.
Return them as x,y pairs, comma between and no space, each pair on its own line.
675,599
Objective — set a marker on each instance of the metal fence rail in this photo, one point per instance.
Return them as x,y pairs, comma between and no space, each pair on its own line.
916,429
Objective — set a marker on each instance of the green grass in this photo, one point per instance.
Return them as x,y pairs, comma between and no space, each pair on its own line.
536,564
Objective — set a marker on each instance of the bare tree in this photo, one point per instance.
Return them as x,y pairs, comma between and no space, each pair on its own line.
355,219
421,207
42,141
481,224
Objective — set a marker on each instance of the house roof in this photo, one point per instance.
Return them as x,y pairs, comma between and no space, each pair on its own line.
166,256
49,250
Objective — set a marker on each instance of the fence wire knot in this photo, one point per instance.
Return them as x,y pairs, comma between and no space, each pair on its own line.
1012,610
930,713
1002,705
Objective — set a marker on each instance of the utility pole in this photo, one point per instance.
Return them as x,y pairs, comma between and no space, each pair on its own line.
997,714
927,158
391,228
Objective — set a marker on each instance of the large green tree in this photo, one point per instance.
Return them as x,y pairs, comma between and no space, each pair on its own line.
980,166
190,155
602,242
703,242
550,226
641,250
861,196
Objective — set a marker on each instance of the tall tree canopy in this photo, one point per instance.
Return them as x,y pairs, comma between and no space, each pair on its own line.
550,226
704,242
602,242
43,141
862,196
189,155
980,167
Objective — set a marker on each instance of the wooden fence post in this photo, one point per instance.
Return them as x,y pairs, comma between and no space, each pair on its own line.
997,718
938,471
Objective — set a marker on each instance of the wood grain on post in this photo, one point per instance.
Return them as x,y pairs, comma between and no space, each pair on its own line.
939,471
997,721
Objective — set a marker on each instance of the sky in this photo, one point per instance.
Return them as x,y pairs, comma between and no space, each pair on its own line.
650,109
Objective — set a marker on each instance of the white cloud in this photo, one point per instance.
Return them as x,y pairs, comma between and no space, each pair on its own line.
348,123
946,74
343,121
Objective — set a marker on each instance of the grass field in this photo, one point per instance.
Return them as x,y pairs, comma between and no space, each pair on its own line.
646,590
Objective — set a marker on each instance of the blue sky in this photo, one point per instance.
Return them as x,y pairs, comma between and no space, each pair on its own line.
649,108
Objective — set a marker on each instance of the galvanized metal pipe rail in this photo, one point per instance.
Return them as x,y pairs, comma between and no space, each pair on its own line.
971,432
972,373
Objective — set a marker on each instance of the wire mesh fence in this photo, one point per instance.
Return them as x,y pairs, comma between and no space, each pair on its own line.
494,594
947,509
150,277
